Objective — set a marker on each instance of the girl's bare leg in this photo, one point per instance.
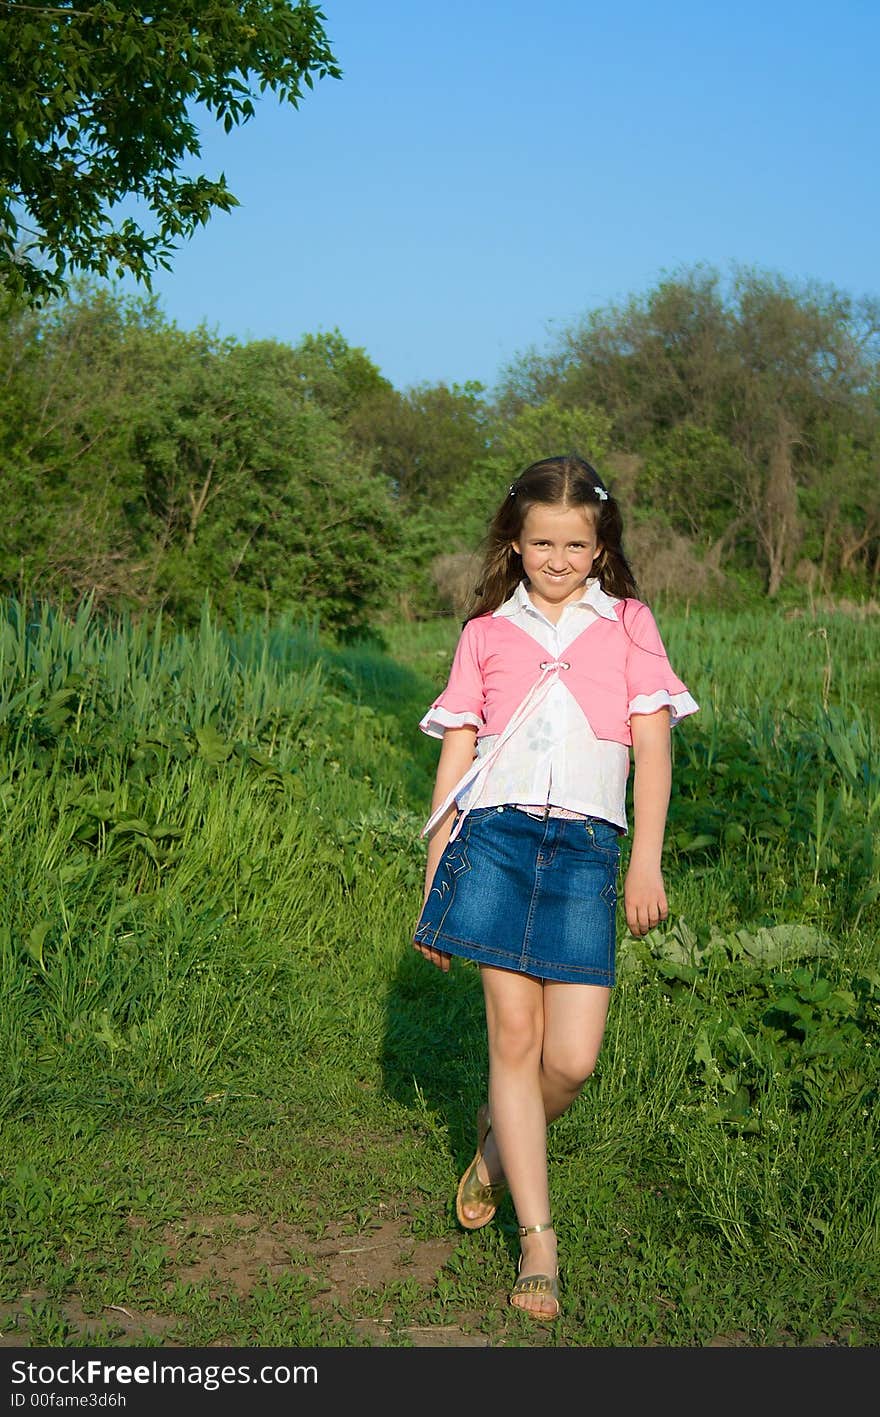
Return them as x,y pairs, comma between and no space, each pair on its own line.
574,1026
544,1039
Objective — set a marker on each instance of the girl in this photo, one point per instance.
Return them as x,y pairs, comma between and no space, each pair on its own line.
558,670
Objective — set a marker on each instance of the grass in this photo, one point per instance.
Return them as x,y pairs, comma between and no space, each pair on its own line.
235,1104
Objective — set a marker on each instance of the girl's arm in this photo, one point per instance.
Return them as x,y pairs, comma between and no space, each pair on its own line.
456,756
644,893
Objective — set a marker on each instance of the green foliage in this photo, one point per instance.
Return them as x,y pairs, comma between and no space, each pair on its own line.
226,1074
253,491
427,441
822,810
340,378
750,409
764,1022
692,475
148,466
547,430
99,102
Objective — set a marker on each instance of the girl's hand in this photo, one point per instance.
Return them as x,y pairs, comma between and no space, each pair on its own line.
438,957
644,899
643,891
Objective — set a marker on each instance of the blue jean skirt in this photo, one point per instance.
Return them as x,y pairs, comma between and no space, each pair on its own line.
537,895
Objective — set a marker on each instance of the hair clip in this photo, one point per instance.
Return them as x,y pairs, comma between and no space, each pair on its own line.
511,491
601,494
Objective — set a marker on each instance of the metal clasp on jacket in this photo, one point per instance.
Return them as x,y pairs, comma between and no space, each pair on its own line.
555,664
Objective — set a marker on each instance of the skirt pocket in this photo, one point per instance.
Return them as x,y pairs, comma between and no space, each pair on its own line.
453,864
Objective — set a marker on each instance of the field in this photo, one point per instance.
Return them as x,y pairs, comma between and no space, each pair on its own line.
235,1102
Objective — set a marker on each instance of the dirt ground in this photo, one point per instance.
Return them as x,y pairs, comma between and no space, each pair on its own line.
235,1253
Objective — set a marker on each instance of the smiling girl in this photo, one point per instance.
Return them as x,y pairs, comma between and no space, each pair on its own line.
559,675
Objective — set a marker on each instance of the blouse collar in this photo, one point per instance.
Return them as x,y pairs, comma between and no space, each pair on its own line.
594,597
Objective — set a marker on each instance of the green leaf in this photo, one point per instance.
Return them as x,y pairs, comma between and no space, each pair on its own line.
698,843
212,747
37,939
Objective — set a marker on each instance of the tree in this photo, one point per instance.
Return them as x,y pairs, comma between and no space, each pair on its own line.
741,406
250,488
546,431
145,466
67,396
97,105
658,359
337,376
426,440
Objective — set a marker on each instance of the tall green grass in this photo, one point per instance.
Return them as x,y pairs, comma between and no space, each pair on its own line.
210,866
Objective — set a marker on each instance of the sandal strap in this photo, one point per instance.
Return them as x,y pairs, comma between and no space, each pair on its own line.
537,1284
545,1286
477,1192
535,1229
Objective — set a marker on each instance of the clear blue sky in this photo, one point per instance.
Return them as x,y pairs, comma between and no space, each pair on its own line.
484,173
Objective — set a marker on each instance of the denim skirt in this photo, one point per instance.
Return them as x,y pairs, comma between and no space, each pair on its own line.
533,894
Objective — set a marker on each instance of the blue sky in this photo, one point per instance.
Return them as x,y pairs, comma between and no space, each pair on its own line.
485,173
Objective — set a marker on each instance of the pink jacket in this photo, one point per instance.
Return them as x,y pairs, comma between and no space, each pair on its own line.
616,659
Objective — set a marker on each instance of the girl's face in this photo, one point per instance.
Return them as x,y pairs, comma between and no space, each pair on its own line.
558,546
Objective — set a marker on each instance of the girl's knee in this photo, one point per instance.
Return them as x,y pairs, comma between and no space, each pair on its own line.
515,1038
570,1071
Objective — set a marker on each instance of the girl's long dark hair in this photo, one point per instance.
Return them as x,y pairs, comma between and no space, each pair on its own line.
553,482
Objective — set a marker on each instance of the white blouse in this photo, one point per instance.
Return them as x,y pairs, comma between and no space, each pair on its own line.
554,758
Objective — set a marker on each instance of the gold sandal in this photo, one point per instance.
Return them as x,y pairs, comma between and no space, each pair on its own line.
473,1191
546,1285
